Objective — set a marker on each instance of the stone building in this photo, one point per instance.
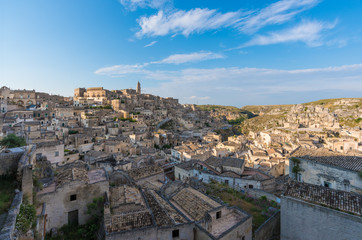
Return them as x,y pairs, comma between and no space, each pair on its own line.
140,214
23,97
65,200
53,150
326,168
229,173
314,212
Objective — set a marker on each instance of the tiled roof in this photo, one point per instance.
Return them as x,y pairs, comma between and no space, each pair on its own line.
139,173
225,161
193,203
341,200
326,156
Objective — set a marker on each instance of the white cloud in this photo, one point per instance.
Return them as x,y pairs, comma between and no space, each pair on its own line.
132,5
191,57
199,20
120,70
185,22
276,13
307,32
150,44
123,69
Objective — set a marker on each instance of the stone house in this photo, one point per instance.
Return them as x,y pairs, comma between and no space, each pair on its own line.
54,151
65,200
323,167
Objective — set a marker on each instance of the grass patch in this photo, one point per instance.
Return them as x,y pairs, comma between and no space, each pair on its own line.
258,208
8,185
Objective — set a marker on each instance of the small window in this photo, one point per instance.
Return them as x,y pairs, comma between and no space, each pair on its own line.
251,186
56,154
327,184
175,233
227,182
73,197
218,214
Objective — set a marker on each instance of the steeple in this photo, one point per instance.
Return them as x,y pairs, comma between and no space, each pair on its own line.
138,90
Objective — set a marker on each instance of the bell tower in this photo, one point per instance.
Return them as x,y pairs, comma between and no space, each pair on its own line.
138,90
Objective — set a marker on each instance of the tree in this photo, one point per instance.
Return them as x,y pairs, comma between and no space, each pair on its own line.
11,141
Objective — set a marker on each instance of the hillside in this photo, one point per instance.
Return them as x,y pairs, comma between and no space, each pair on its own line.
324,113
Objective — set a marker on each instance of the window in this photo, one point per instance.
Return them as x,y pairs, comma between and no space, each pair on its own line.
251,186
175,233
56,154
327,184
227,182
73,197
218,214
341,147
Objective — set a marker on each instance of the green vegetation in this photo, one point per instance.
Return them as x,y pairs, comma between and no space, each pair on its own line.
218,107
72,132
12,141
83,232
350,122
26,217
296,169
360,174
167,125
261,209
237,121
127,119
257,109
8,185
259,123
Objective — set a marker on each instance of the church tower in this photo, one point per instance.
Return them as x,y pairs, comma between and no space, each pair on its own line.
138,90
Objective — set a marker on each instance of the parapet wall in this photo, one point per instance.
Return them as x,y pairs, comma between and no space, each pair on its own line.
304,220
8,230
9,162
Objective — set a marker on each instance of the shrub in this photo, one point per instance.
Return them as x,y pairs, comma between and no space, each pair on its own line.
11,141
26,217
263,198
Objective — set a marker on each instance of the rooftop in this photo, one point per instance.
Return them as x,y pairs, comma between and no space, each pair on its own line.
193,203
128,210
143,172
325,156
225,161
340,200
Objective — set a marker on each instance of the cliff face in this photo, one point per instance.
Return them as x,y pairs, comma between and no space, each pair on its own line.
329,113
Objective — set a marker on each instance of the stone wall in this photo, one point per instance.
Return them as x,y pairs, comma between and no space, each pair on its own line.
154,233
303,220
269,228
9,162
316,173
7,232
59,204
257,193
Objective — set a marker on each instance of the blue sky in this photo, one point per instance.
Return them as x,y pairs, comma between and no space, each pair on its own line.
218,52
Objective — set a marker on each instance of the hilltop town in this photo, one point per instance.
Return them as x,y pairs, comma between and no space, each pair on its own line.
123,164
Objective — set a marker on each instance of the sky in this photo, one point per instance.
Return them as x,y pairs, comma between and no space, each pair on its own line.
249,52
